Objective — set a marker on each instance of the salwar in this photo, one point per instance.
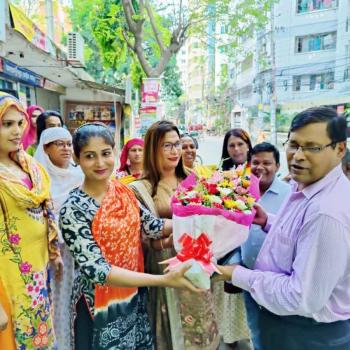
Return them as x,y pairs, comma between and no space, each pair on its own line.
83,327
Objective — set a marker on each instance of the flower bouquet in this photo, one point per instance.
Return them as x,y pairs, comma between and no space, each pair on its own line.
218,204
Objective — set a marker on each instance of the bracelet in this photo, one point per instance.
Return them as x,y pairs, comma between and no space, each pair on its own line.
161,244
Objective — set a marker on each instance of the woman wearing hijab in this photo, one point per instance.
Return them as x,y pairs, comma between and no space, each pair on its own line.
54,152
29,137
131,158
28,238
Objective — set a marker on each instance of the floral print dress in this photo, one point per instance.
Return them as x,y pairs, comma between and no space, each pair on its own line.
24,278
130,328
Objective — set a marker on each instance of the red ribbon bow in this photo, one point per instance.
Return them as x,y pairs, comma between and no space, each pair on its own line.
195,248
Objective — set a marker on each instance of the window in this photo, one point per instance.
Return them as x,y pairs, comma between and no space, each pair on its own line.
314,82
297,83
316,42
304,6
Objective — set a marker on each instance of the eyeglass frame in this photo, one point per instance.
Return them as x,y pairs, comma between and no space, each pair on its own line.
61,144
307,149
177,145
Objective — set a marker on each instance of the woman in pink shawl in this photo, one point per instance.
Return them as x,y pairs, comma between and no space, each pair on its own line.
131,161
29,137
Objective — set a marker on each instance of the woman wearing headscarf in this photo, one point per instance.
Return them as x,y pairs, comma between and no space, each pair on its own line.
47,119
28,238
54,152
131,157
29,137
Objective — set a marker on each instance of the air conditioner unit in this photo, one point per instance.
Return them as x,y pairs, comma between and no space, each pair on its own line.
75,49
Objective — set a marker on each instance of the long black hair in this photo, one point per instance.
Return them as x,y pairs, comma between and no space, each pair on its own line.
227,161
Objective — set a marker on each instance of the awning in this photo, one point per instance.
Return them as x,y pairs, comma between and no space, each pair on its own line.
108,88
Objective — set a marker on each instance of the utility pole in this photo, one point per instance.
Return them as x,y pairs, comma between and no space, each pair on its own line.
273,96
49,20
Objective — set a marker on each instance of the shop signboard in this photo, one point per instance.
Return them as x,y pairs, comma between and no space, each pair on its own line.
150,90
50,85
2,21
22,74
23,25
148,117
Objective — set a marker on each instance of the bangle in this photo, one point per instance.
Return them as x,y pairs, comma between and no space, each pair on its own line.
161,244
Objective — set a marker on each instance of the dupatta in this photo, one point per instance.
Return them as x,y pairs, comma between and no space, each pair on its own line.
116,229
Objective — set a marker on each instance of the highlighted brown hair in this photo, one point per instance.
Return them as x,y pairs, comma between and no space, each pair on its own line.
151,165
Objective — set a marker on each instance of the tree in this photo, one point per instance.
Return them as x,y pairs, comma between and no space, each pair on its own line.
153,34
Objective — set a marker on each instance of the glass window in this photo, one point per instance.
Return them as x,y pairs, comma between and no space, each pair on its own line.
323,81
316,42
297,83
304,6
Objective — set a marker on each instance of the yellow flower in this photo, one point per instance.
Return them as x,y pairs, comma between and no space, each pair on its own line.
230,204
224,183
250,200
245,183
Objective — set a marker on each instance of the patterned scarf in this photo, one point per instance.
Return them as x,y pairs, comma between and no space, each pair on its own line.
116,229
13,186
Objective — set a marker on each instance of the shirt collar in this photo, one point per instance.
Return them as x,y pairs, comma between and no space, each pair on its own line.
316,187
275,186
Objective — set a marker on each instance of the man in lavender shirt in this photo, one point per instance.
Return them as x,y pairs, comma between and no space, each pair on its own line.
301,278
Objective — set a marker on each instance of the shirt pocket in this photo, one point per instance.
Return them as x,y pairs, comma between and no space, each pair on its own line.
282,250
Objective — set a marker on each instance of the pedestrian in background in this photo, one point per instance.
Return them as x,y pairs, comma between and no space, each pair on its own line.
131,157
29,137
301,276
47,119
265,163
189,151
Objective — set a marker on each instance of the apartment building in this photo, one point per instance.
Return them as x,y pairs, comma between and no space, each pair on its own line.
311,52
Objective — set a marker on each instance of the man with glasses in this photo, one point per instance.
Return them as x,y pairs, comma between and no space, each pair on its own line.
301,277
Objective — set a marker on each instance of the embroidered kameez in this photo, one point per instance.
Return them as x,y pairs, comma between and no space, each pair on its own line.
180,319
25,240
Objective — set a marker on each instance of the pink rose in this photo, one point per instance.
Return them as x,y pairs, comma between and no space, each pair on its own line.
25,267
14,238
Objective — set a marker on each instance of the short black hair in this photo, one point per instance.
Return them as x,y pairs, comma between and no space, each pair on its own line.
40,121
336,124
266,147
84,133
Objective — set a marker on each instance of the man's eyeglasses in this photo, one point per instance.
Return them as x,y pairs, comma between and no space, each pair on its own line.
62,144
294,147
168,146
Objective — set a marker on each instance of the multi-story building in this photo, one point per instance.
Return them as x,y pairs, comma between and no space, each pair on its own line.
202,62
311,52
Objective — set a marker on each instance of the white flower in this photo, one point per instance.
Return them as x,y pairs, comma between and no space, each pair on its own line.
241,205
224,191
215,199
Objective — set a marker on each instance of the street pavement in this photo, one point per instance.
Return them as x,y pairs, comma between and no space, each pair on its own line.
210,148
